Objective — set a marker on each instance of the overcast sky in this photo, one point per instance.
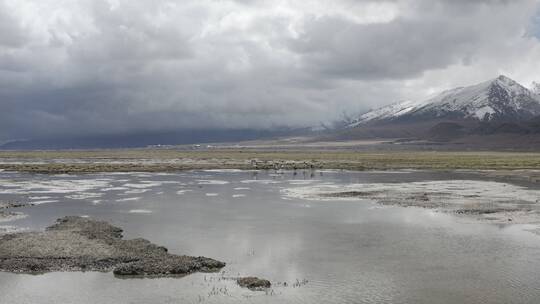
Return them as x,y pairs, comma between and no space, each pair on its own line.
96,66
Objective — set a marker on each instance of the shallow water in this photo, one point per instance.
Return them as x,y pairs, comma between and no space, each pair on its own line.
349,251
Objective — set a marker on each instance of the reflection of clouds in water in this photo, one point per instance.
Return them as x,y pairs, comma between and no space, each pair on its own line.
140,211
212,194
128,199
39,197
163,174
64,186
142,175
380,207
136,191
212,182
258,254
143,184
303,182
84,195
238,195
140,187
321,244
113,189
44,202
40,200
201,176
260,181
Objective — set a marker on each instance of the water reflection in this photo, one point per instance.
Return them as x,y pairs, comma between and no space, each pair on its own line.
349,251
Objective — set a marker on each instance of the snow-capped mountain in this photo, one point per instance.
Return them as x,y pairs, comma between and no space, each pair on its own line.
535,88
500,99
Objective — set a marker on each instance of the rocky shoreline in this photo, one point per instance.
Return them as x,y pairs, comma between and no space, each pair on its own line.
81,244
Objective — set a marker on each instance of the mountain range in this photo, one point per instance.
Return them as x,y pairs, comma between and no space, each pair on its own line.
497,106
500,112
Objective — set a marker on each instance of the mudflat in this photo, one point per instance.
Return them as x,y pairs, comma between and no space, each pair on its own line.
81,244
475,200
6,213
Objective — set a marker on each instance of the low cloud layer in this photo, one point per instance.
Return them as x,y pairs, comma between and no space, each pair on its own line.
104,67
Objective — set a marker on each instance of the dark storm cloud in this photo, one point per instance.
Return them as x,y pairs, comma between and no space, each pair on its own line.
534,28
404,47
397,49
98,67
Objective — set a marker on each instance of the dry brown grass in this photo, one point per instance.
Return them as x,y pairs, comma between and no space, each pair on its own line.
174,160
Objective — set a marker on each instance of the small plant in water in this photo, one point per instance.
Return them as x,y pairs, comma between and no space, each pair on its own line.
299,283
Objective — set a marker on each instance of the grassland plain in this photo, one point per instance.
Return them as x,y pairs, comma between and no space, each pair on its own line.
511,164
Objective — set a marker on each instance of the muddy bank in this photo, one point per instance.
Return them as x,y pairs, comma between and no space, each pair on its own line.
493,212
7,215
80,244
473,200
11,205
253,283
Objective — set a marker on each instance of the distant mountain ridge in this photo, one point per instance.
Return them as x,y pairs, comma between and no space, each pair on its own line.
500,99
144,139
499,109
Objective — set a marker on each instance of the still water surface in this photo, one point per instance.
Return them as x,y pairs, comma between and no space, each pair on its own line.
347,251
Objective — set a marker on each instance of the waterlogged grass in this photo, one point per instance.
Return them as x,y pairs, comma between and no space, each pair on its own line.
173,160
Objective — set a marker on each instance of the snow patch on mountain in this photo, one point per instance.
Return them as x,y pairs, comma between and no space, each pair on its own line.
484,112
390,111
535,88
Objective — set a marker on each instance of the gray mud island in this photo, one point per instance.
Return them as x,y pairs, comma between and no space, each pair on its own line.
80,244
